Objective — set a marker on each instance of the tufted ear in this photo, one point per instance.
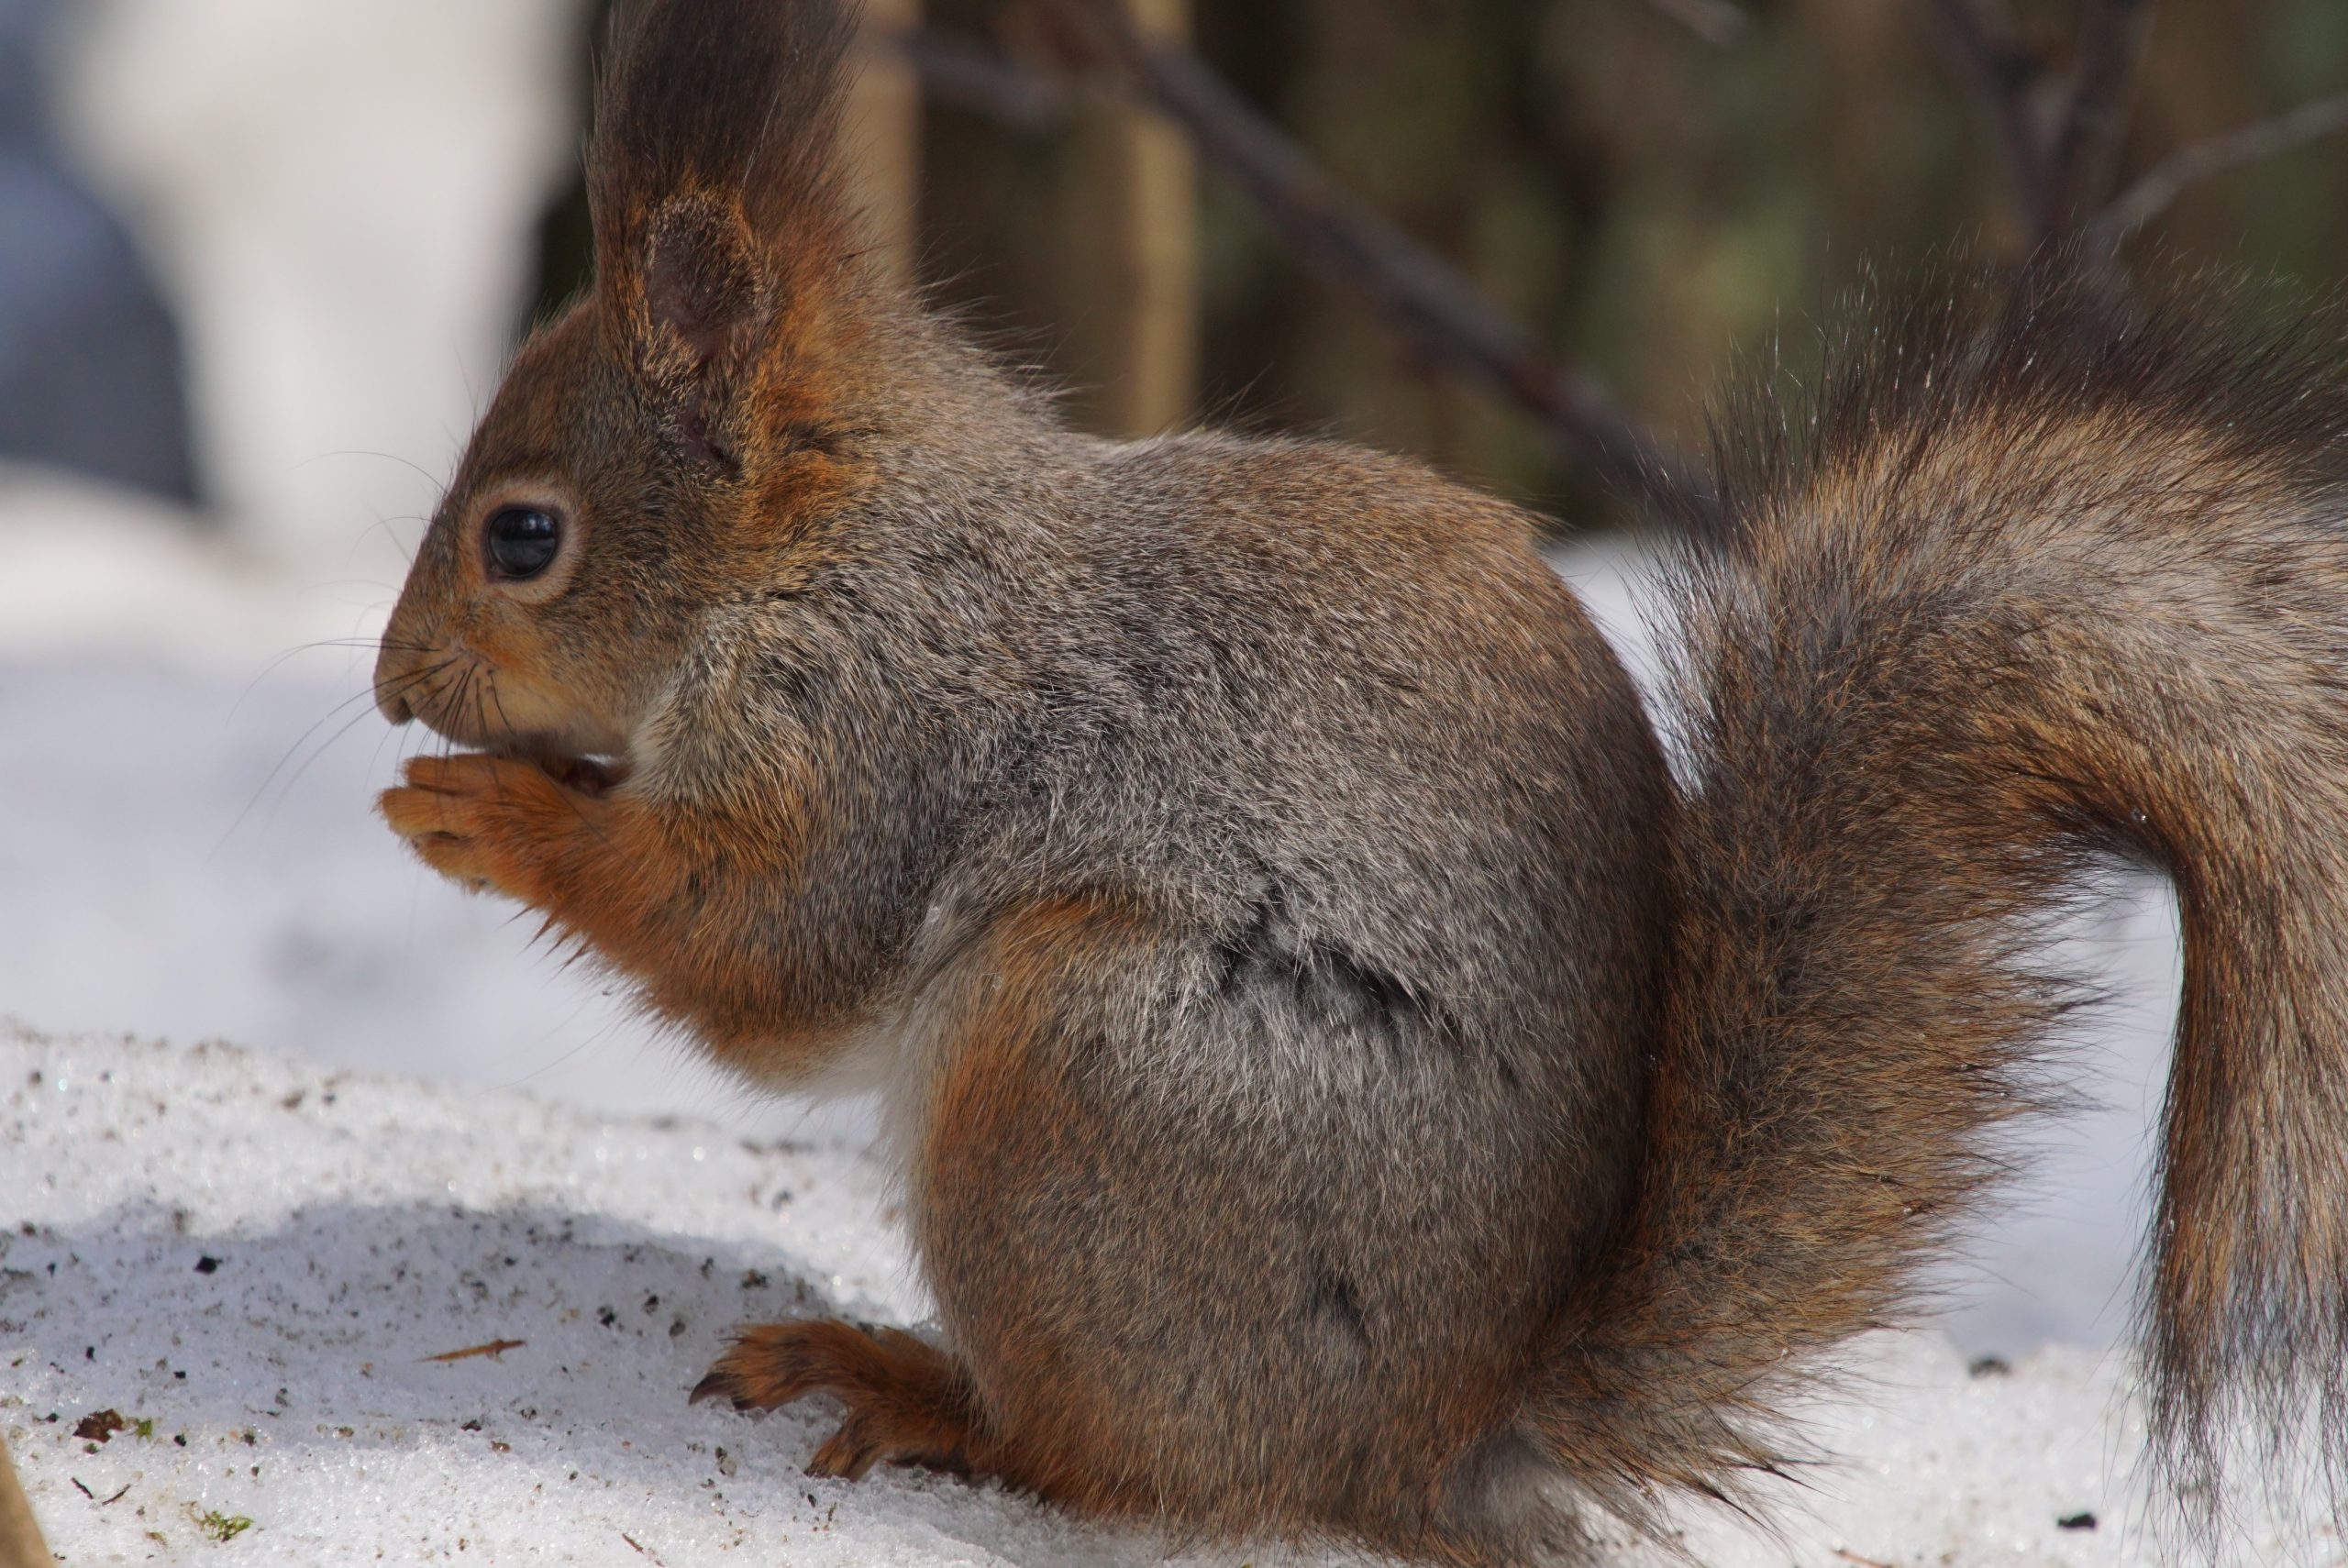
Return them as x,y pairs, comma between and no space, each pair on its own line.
720,212
698,316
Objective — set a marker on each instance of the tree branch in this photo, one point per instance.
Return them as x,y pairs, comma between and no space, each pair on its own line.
962,74
1717,22
2083,163
1434,309
2165,180
2003,78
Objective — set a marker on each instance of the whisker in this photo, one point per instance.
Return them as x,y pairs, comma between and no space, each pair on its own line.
391,732
286,791
407,550
373,645
406,684
455,705
436,480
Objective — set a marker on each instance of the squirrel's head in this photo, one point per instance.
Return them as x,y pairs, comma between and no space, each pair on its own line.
664,446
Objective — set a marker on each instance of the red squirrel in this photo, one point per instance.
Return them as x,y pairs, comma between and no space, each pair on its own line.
1349,1086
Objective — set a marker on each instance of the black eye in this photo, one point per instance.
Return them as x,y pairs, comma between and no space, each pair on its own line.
522,541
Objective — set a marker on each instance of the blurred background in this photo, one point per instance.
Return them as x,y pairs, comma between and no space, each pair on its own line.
260,261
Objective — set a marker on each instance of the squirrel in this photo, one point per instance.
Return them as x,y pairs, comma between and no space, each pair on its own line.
1352,1081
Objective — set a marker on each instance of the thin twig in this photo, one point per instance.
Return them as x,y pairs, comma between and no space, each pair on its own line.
2168,179
1716,22
963,74
2083,162
1436,311
20,1542
1979,40
495,1350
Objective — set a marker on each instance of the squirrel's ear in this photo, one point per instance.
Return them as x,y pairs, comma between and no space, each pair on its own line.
715,186
694,317
700,281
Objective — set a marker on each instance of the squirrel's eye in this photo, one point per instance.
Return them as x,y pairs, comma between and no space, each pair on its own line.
521,541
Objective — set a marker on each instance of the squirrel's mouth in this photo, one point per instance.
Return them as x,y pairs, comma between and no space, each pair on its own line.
469,701
596,774
587,775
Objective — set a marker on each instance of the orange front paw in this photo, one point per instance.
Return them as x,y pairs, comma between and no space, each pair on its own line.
487,822
908,1402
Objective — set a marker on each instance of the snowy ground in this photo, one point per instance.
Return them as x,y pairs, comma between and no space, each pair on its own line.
254,1261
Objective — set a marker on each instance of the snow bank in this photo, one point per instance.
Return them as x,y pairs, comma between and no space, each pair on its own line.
254,1261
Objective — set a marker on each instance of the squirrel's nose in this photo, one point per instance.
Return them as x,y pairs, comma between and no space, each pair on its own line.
394,678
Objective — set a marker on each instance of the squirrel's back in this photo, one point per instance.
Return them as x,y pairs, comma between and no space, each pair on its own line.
1334,670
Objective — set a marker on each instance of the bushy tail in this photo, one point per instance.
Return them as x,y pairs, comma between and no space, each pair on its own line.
2039,583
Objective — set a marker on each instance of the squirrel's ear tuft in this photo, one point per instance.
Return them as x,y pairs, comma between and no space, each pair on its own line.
735,100
714,180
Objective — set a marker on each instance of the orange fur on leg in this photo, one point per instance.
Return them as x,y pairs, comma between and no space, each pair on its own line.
673,900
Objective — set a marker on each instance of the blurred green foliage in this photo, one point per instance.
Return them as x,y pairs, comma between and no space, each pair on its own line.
1646,200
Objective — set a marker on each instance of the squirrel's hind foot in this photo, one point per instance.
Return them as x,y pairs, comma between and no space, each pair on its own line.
908,1402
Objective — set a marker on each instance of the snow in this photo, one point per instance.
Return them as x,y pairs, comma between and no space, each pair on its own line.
261,1256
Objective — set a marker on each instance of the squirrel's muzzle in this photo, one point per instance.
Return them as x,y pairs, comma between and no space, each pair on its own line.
397,675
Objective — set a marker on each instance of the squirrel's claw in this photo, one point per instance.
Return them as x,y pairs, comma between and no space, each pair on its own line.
721,1384
867,1437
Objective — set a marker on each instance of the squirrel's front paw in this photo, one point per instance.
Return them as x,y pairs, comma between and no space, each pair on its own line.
491,822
